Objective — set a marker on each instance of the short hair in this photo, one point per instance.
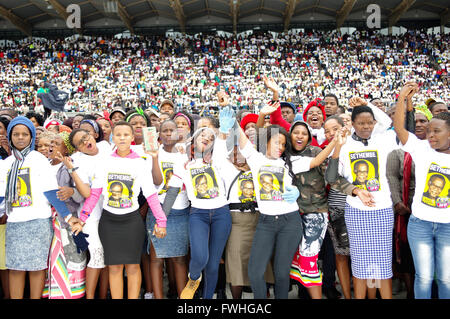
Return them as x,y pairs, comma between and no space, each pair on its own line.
123,123
361,109
434,176
48,135
337,118
358,163
432,105
39,118
444,116
333,96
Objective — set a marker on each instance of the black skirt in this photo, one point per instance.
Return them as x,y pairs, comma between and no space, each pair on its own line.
122,237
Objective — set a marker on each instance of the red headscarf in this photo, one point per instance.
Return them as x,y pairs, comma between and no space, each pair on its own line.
316,102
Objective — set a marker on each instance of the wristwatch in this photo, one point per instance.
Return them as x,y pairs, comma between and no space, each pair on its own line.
71,170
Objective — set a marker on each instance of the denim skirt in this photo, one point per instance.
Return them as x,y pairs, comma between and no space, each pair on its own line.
28,243
176,241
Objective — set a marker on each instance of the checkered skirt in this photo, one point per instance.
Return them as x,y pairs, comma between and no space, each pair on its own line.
370,235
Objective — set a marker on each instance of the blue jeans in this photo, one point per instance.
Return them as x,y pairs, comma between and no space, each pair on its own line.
208,234
430,247
278,235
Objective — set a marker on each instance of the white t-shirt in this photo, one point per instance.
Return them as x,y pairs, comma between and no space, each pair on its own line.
88,165
365,167
242,189
431,197
271,178
121,180
36,176
166,162
204,184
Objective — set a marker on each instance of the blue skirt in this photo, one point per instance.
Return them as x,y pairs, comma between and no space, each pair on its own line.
176,242
27,244
370,235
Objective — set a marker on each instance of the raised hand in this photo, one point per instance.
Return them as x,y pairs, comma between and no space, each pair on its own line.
269,108
357,101
226,120
66,160
223,98
271,84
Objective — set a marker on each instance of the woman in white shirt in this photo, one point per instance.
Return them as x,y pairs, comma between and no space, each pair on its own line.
120,178
362,161
174,247
429,224
25,178
209,219
279,229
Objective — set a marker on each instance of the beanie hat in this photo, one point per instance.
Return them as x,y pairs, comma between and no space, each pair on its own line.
249,118
24,121
316,102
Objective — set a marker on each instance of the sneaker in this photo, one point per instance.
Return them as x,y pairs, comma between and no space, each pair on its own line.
149,295
191,286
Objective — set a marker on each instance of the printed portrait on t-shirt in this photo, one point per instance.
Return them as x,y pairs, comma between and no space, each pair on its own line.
204,182
365,170
314,228
437,188
270,180
246,189
167,172
120,190
23,189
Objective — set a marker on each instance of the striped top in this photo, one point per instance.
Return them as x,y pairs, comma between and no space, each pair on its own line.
336,198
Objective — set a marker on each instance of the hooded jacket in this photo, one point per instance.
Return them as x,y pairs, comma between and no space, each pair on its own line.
312,184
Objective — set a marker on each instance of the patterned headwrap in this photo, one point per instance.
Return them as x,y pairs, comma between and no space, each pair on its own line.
424,110
65,137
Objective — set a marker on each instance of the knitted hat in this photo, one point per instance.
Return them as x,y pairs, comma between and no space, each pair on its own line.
249,118
24,121
317,102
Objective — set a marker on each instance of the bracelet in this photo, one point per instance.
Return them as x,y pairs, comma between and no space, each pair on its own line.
71,170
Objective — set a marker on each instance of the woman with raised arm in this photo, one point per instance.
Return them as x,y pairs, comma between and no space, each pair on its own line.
279,229
429,224
209,219
369,220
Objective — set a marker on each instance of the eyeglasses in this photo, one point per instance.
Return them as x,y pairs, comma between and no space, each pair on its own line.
82,140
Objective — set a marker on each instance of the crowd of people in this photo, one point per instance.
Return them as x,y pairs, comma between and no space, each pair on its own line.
106,201
103,73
